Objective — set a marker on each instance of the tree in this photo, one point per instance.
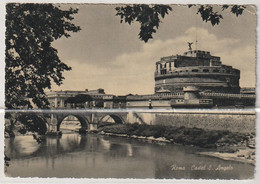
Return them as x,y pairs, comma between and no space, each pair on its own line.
149,16
79,99
31,61
33,123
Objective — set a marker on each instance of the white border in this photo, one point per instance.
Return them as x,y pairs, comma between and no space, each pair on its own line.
71,180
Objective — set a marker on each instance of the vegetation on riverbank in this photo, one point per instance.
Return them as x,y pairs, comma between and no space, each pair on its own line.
181,135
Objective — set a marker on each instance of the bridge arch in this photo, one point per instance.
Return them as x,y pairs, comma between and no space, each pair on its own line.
117,118
83,121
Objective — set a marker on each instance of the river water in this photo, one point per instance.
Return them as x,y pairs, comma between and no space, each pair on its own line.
97,156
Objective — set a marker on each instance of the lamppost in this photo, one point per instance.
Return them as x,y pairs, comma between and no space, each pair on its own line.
150,104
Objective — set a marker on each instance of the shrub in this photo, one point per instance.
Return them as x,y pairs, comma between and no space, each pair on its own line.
182,135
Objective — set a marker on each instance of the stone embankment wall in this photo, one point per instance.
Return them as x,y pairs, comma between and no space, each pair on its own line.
234,121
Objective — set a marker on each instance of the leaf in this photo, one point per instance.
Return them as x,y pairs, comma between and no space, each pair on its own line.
31,61
147,16
237,9
225,7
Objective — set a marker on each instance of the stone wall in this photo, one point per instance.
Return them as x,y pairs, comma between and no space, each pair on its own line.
145,104
231,121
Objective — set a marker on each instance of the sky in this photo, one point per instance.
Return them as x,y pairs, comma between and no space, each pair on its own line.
107,54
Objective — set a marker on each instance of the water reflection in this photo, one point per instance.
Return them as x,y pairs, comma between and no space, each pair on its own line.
98,156
184,164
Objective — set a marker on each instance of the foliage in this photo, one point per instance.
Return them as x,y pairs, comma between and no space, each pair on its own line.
149,16
24,122
81,98
33,123
182,135
208,14
31,61
7,160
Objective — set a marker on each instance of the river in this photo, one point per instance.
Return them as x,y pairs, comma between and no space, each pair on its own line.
97,156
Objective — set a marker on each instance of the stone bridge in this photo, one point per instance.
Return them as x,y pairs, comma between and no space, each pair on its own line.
89,119
234,120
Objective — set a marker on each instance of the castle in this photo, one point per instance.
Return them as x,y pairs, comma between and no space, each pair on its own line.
195,68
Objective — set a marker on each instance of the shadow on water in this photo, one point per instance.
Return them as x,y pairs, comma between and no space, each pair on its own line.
96,156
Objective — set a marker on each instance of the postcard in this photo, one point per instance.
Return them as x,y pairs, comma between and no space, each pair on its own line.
130,91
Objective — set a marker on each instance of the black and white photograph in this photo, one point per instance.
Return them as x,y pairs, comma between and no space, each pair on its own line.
130,91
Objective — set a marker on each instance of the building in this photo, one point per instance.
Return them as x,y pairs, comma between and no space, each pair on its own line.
195,68
98,98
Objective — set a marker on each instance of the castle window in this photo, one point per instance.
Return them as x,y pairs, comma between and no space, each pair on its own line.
216,70
205,70
194,70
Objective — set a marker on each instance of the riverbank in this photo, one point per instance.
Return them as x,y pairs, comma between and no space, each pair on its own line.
245,155
222,144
